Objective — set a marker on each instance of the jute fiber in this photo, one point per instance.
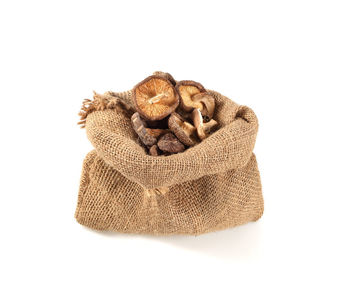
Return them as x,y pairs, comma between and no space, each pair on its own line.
211,186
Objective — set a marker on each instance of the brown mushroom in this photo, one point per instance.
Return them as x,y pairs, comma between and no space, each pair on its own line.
166,76
169,143
203,129
183,130
139,126
154,151
156,132
206,104
155,98
187,89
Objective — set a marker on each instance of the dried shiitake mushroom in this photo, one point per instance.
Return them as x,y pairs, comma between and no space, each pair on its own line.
203,129
154,151
206,104
169,143
166,76
187,89
155,98
183,130
156,132
139,126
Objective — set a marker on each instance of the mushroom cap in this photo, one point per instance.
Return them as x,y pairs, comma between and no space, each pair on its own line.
156,132
183,130
207,102
139,126
187,89
166,76
203,129
209,126
155,98
153,150
169,143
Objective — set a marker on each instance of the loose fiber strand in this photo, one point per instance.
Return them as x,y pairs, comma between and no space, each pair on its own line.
100,102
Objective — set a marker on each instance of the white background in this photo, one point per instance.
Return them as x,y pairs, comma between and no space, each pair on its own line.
288,60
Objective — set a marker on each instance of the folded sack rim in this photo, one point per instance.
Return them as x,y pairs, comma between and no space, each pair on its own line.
237,140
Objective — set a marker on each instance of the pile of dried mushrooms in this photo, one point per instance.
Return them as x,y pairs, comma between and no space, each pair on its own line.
171,115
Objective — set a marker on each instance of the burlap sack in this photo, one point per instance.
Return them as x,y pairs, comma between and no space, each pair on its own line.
211,186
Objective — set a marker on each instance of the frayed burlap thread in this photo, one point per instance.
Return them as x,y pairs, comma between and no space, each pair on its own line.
211,186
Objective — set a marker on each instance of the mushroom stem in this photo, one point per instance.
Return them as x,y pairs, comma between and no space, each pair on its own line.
156,99
203,129
207,127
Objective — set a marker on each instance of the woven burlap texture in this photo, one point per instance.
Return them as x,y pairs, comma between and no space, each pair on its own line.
211,186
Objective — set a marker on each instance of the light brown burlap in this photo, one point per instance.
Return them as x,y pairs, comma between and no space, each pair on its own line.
211,186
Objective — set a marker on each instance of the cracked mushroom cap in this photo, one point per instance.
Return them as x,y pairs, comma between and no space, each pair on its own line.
187,89
155,98
139,126
183,130
203,129
169,143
